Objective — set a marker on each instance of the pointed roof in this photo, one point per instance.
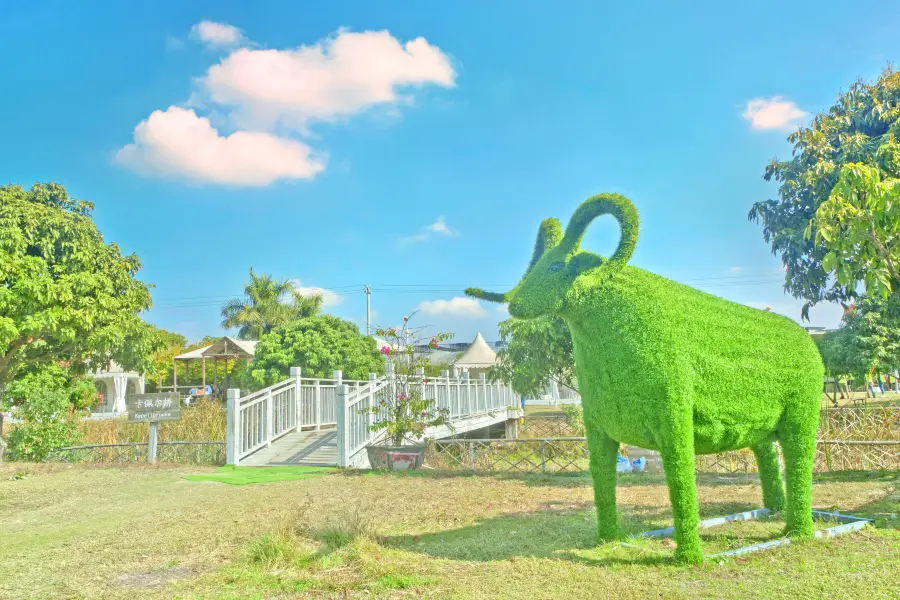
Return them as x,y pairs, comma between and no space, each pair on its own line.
479,354
223,347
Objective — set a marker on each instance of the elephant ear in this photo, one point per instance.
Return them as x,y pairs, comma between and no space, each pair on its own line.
549,235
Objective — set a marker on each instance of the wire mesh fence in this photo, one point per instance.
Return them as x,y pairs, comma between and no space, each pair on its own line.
863,423
191,453
560,455
523,455
550,427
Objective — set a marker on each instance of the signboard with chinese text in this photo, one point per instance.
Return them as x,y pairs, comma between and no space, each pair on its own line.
153,407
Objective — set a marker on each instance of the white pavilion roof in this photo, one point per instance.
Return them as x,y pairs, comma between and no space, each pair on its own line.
479,354
193,354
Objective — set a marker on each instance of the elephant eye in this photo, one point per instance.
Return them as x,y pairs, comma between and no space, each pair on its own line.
557,266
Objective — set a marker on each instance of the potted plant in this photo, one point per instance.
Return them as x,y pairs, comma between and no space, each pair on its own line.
405,418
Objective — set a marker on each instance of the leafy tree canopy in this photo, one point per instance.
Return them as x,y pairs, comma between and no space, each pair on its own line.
172,344
318,345
267,303
65,295
860,224
867,340
821,226
537,351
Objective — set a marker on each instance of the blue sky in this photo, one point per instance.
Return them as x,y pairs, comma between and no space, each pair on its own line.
416,146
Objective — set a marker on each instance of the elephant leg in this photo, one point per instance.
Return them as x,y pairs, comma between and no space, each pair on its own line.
797,436
770,474
603,452
677,450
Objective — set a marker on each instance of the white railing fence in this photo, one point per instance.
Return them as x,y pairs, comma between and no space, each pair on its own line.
461,396
257,420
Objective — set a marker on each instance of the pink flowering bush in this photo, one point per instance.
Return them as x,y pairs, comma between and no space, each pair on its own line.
406,415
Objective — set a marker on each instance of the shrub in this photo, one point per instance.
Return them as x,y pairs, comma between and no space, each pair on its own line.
319,346
48,403
575,417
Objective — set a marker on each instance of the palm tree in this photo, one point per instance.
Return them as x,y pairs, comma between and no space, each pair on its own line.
305,306
263,308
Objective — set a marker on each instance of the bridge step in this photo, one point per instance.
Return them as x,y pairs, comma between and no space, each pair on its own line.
310,448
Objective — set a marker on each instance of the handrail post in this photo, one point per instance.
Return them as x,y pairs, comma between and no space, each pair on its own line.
232,427
317,406
340,415
468,381
338,377
298,398
445,379
270,421
482,383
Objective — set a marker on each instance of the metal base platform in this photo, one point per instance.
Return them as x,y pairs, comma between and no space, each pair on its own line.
847,524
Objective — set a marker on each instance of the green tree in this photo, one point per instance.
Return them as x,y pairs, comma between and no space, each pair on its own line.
47,401
868,339
860,224
859,130
160,369
65,295
264,306
537,351
318,345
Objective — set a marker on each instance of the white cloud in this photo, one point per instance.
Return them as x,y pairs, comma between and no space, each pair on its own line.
267,98
438,228
329,297
217,35
735,269
455,307
772,113
176,143
335,77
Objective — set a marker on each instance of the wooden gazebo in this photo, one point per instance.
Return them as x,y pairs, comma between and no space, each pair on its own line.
226,349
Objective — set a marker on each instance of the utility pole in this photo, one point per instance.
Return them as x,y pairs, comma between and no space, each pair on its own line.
368,291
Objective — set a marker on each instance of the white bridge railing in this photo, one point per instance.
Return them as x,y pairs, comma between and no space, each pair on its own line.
461,396
257,420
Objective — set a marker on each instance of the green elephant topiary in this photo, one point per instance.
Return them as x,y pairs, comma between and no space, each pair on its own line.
667,367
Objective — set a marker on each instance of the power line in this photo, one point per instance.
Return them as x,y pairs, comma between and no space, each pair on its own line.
208,301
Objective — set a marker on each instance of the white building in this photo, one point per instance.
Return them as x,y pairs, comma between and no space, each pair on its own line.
113,384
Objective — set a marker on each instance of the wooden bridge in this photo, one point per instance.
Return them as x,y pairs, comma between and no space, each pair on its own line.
311,421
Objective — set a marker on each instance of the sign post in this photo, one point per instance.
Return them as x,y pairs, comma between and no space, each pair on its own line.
151,444
153,408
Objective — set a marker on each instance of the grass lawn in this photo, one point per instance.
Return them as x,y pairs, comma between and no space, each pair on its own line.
543,411
146,532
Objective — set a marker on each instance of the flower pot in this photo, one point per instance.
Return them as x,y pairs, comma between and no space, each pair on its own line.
396,458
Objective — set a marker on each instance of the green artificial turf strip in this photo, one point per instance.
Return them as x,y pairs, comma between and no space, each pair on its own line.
245,475
667,367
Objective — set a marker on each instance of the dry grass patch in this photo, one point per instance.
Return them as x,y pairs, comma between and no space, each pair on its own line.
68,531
